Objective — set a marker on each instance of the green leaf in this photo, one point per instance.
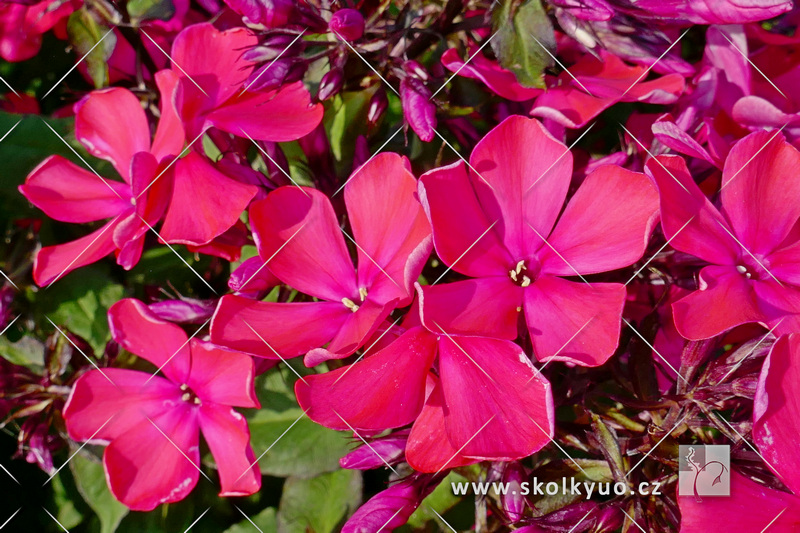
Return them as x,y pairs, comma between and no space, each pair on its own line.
27,352
80,301
441,500
91,482
141,10
265,522
349,120
93,39
519,26
319,504
67,513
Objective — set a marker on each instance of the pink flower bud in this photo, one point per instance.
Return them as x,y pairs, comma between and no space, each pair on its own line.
513,500
184,311
267,13
390,449
377,106
418,109
275,74
347,24
330,84
391,508
252,279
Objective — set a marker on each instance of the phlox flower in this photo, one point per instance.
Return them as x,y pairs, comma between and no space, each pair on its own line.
496,222
152,424
751,240
752,507
112,125
299,239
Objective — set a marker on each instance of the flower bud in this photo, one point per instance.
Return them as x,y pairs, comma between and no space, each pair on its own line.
347,24
390,449
184,311
271,48
608,520
273,75
377,106
330,84
252,279
266,13
391,508
419,111
513,499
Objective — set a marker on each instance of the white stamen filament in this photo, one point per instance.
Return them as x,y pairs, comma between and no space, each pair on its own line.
350,304
362,292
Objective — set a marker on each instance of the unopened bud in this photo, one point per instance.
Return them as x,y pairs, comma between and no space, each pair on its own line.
330,84
347,24
377,106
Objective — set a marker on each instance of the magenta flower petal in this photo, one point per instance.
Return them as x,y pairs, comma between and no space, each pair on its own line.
777,410
169,137
111,124
464,237
391,508
605,226
222,376
198,211
672,136
707,234
725,299
383,390
298,227
156,462
785,263
137,329
756,112
522,178
354,331
104,405
499,80
778,302
228,437
390,227
284,326
760,190
508,396
67,192
54,262
486,306
573,321
569,106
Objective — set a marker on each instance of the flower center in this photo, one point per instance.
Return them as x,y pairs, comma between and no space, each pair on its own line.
752,268
350,304
189,396
520,274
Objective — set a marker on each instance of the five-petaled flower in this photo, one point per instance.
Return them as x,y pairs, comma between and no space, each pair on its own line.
152,423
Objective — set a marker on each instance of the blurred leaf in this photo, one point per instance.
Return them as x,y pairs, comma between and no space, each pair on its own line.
27,352
349,120
265,522
441,500
91,38
91,481
79,301
319,504
141,10
68,514
519,26
161,266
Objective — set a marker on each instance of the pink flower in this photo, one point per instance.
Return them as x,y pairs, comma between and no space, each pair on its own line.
499,80
211,90
486,401
750,241
152,423
496,222
776,413
112,125
298,236
22,25
597,85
